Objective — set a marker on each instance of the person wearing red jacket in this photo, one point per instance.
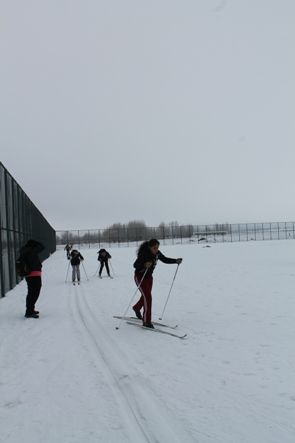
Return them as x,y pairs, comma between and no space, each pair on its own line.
147,256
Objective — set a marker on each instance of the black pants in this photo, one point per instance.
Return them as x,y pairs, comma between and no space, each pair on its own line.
102,263
34,288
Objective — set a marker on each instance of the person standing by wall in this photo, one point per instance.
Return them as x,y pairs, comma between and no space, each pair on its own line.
29,255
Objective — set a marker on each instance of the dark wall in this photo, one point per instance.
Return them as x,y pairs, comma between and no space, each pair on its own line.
20,220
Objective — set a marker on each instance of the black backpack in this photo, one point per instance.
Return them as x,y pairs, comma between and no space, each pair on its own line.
21,267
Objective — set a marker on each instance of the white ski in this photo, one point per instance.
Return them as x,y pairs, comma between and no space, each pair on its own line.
140,321
156,330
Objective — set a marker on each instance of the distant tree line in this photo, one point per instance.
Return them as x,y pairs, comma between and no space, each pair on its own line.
135,230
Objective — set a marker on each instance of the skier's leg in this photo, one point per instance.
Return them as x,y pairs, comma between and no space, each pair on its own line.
37,283
138,306
30,298
146,289
145,300
34,287
73,273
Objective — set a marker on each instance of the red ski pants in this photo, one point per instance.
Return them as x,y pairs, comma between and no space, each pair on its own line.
145,300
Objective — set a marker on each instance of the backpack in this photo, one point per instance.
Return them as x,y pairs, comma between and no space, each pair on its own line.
21,267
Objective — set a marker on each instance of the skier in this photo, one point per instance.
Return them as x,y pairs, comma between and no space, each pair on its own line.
76,258
103,258
29,254
68,248
147,256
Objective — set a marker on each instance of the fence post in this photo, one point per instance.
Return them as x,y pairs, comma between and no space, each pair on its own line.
1,267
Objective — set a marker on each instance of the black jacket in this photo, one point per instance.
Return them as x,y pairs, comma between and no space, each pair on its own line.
29,253
103,255
147,256
76,257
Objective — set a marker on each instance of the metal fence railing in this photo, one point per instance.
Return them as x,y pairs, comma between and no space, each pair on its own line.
20,220
178,234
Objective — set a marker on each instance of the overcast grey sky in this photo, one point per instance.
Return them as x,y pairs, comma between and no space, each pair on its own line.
154,110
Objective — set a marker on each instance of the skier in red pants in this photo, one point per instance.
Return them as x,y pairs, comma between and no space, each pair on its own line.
147,256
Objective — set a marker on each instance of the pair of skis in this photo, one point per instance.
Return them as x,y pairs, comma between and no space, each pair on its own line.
134,321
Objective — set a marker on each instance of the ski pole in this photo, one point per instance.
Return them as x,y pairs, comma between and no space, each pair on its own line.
112,268
160,318
137,288
67,273
96,271
85,271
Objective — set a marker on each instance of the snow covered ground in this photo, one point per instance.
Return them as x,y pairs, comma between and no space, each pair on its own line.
71,377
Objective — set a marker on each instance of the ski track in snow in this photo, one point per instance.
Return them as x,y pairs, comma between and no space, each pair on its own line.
129,388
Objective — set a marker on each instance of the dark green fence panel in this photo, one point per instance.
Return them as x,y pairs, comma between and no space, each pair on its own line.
20,220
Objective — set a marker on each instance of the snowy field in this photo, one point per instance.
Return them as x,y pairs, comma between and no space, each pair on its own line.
71,377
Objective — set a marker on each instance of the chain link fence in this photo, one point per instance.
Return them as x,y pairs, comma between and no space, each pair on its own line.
178,234
20,220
